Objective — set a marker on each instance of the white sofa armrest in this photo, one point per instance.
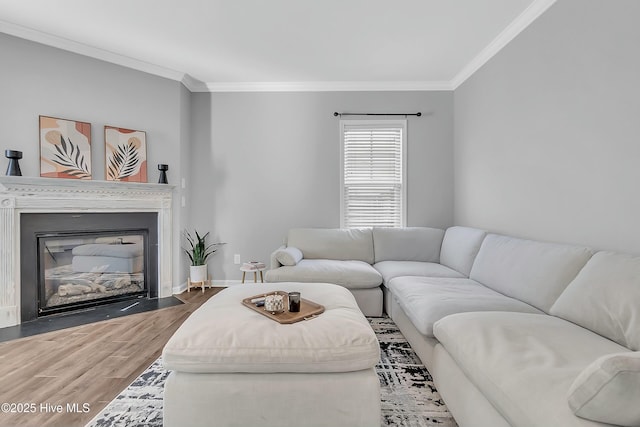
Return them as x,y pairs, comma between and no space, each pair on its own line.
274,262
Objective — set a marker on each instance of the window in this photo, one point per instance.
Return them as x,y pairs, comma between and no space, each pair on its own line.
373,184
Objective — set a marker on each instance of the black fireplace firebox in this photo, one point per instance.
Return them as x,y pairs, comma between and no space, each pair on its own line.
72,261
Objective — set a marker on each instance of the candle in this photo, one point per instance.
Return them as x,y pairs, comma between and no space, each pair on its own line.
294,302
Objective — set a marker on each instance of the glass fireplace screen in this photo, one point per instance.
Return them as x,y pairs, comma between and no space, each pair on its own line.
82,269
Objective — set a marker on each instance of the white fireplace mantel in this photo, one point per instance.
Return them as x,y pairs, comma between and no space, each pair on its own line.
49,195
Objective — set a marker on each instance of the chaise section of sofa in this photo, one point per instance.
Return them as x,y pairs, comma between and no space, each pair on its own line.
523,364
579,366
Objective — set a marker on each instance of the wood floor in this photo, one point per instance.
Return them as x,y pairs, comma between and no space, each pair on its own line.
87,365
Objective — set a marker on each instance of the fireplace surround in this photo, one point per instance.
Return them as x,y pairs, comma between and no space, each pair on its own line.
29,195
75,260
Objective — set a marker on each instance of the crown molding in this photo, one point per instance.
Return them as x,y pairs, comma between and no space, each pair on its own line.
537,8
530,14
86,50
326,86
193,84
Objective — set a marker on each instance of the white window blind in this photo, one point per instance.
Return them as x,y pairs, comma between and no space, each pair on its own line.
373,173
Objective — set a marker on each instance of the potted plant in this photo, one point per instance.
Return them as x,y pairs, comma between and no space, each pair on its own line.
198,252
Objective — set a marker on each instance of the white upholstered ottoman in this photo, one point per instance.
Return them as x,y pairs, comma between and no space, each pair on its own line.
232,366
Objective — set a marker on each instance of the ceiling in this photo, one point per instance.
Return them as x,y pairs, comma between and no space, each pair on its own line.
236,45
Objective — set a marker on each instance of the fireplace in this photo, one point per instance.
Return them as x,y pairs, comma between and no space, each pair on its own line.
21,196
85,269
70,261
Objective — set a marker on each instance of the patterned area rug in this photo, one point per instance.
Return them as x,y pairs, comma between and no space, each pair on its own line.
409,398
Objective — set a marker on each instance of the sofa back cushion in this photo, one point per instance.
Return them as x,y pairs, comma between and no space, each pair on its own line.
407,244
533,272
605,298
333,243
460,247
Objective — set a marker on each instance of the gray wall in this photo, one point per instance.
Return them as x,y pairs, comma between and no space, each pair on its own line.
546,138
254,164
40,80
547,135
266,162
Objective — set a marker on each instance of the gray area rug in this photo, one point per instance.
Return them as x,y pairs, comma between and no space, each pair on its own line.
408,395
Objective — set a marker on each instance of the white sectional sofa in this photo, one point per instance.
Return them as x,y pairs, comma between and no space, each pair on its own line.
515,332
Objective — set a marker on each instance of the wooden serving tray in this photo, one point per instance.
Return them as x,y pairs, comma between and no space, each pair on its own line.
308,309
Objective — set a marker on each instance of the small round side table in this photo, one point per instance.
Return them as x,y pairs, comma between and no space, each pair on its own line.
255,271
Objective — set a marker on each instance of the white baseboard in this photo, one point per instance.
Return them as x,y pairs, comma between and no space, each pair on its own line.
180,288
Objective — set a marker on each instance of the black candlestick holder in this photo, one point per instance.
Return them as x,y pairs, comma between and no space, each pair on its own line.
14,167
163,173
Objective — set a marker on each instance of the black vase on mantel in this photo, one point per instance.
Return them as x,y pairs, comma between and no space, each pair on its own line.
163,173
14,167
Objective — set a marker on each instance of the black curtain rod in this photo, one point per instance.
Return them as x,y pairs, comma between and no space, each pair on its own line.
336,114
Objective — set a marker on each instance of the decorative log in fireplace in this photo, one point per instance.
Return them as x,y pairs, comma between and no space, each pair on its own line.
71,261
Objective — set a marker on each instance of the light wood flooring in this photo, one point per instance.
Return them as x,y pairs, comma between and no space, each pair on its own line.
89,364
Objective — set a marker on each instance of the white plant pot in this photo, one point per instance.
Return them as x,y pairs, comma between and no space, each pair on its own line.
198,273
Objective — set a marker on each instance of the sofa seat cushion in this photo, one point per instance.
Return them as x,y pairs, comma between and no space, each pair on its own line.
524,364
350,274
224,336
425,300
391,269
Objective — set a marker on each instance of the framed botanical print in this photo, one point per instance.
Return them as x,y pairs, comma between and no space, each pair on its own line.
125,154
65,148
